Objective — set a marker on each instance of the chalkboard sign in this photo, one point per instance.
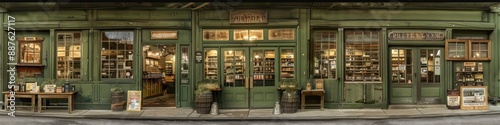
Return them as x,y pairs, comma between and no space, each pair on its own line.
199,56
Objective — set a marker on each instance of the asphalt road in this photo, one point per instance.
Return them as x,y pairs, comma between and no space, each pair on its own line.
458,120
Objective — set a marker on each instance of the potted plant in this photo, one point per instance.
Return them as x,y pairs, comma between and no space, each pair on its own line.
203,97
290,97
117,99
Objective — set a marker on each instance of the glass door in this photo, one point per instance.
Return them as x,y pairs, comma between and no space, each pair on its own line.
429,80
416,76
235,78
264,78
402,76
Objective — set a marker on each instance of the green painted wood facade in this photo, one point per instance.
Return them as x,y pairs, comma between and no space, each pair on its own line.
95,92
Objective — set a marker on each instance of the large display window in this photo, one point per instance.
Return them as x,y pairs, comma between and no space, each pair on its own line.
325,56
116,54
69,49
362,56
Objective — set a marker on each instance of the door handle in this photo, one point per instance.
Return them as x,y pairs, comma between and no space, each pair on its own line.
251,83
247,81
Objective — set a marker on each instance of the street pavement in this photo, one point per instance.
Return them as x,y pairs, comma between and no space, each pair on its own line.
188,114
453,120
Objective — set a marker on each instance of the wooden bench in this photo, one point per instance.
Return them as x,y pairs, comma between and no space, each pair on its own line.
66,95
316,92
7,95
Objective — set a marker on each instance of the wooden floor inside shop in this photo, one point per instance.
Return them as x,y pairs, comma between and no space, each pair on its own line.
167,100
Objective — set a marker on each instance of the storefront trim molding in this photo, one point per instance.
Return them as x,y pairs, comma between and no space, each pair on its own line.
404,24
247,44
417,43
271,22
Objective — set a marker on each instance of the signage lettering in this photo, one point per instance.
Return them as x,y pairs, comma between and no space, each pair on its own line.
163,34
416,36
248,16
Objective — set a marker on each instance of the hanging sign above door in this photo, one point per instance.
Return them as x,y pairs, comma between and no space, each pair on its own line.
418,35
247,16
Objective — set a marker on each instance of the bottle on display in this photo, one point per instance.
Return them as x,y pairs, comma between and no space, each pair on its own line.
66,87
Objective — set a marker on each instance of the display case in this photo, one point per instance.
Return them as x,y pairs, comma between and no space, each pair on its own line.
30,56
479,50
456,49
468,74
211,65
362,58
287,64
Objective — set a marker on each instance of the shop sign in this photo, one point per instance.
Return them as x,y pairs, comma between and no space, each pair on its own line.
474,97
134,100
247,16
198,56
163,35
400,35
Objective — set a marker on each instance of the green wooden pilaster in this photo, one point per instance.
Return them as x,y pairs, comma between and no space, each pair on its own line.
196,73
448,65
3,54
495,56
137,47
384,65
85,49
51,48
302,47
340,64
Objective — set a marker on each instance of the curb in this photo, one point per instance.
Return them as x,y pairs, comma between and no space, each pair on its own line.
324,118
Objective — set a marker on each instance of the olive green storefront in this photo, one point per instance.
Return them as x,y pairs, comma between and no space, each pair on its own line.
369,58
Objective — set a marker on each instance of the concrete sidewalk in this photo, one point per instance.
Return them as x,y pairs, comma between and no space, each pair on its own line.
178,114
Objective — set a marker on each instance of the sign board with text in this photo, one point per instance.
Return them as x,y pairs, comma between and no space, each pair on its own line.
247,16
474,97
158,35
416,35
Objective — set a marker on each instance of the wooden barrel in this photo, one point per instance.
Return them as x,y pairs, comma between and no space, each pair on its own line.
204,103
117,101
290,101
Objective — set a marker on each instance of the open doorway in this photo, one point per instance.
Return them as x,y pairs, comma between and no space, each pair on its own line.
158,81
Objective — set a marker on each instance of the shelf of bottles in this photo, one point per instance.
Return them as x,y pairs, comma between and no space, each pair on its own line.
211,64
263,67
234,69
287,64
362,56
468,74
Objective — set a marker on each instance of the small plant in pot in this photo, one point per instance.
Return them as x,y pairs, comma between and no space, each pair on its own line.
117,99
203,97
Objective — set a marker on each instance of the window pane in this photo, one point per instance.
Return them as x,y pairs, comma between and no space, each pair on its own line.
325,55
69,51
116,54
362,56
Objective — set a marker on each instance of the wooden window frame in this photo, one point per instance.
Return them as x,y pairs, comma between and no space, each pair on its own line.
466,56
488,43
30,40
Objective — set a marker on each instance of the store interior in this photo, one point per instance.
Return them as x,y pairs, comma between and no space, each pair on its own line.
158,76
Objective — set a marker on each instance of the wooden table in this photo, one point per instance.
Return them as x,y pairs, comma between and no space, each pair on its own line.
316,92
6,96
68,95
